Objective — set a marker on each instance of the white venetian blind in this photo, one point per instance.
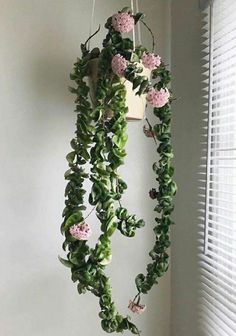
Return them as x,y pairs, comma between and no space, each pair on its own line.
217,304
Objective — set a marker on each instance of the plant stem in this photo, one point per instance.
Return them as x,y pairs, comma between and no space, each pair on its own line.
153,38
151,129
86,42
89,213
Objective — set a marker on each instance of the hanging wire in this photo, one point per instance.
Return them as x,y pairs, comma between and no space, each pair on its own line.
91,21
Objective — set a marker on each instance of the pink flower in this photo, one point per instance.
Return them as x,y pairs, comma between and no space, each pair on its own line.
150,60
118,65
136,307
122,22
81,231
158,98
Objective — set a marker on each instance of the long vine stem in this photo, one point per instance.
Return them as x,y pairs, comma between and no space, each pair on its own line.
100,140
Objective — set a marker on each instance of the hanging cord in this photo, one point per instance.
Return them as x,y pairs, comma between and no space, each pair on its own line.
91,22
132,7
139,39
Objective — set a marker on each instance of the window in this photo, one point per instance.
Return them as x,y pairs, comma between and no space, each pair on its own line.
217,306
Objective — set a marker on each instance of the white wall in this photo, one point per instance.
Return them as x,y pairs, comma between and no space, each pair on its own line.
39,41
185,63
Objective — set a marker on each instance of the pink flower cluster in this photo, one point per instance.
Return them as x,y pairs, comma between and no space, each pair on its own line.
122,22
81,231
158,98
118,65
136,307
150,60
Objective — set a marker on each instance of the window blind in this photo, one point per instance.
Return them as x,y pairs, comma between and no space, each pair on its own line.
217,296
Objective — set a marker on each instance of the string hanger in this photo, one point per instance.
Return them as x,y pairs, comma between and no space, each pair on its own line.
91,21
138,25
135,9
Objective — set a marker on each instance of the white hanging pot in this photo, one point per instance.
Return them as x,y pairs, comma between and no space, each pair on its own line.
136,104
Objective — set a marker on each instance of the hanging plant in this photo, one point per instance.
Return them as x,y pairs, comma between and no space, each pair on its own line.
100,139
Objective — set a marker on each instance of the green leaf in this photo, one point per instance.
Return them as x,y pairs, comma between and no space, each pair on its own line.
84,153
143,87
140,223
140,278
127,44
95,53
73,144
138,17
105,261
133,329
75,218
120,140
134,57
70,157
73,90
173,188
111,226
67,173
73,76
137,81
81,288
126,10
65,262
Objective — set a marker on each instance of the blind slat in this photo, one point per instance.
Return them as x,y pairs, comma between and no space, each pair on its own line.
218,276
221,271
217,182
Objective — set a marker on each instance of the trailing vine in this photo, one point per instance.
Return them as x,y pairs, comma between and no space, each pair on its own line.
99,142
